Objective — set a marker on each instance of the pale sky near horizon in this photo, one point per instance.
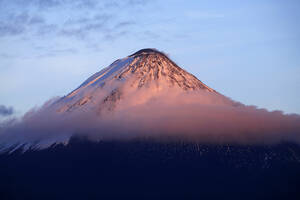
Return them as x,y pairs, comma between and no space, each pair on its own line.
246,50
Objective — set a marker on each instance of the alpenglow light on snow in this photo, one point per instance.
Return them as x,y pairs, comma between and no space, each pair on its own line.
148,69
146,95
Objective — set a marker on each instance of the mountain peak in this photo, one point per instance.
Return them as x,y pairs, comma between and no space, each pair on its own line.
147,69
147,51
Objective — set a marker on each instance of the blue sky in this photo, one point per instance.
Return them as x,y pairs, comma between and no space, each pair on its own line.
246,50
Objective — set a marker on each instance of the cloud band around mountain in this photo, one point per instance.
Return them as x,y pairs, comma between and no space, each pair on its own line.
193,117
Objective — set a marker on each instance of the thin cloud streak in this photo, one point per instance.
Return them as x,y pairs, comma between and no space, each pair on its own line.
6,111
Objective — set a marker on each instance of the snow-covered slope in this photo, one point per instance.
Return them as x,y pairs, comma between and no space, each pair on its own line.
146,95
147,69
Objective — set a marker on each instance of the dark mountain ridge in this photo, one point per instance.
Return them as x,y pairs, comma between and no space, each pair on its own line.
149,169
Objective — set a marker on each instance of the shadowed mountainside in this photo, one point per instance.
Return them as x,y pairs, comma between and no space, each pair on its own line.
151,170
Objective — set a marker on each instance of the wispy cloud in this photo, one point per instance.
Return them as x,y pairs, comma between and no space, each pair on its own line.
83,26
52,52
79,22
104,16
13,24
6,111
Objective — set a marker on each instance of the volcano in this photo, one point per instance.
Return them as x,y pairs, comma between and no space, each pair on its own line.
144,128
147,95
147,69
